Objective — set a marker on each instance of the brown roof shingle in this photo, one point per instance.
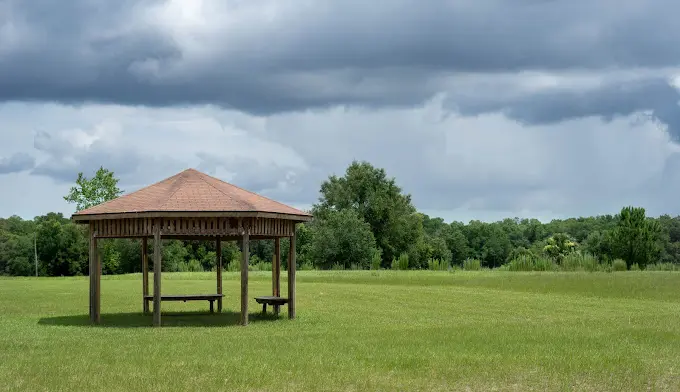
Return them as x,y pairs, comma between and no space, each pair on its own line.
191,191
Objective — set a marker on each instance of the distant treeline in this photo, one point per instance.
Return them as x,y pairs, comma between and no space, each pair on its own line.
362,221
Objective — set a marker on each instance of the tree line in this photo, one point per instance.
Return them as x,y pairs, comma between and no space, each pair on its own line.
362,220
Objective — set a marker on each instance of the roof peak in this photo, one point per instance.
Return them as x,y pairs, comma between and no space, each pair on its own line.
192,191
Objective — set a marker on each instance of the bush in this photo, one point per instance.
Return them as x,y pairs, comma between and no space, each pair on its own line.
662,267
472,265
376,260
579,262
192,266
528,263
401,263
635,267
437,265
619,265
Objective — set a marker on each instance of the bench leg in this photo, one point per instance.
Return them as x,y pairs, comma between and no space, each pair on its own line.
211,306
276,309
219,305
145,306
264,308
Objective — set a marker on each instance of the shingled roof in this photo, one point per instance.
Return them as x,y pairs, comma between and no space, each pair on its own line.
191,191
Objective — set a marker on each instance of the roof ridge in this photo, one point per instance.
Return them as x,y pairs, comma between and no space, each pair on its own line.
177,188
251,192
201,175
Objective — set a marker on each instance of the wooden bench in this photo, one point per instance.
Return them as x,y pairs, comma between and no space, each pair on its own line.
274,301
190,297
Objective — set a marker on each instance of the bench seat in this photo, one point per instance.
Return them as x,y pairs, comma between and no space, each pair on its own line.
189,297
270,300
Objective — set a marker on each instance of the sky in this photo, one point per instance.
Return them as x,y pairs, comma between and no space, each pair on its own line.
481,109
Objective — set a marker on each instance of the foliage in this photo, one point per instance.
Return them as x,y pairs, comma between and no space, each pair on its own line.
342,237
472,265
636,237
559,245
437,265
529,263
577,261
91,192
377,200
362,221
619,265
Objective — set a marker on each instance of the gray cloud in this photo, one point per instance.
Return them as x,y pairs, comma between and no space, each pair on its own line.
265,56
134,168
16,163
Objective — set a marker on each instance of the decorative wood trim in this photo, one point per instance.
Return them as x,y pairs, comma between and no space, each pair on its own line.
199,228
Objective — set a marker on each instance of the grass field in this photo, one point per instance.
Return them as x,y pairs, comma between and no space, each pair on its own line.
355,331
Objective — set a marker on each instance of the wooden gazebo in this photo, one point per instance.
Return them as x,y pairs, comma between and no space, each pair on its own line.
193,206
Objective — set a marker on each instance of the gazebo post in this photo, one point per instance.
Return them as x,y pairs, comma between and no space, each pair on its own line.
218,262
95,287
145,276
157,273
276,268
245,256
291,276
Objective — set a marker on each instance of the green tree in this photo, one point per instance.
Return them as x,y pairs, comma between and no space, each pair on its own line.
343,238
91,192
636,237
378,201
559,245
457,244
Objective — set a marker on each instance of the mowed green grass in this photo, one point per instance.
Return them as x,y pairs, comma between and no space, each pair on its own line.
355,331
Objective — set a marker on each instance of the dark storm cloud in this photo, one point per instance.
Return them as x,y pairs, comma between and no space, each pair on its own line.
607,101
316,54
16,163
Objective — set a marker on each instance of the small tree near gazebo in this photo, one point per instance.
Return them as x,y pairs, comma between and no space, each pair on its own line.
193,206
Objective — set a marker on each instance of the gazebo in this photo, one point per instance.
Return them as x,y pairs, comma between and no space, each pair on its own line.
193,206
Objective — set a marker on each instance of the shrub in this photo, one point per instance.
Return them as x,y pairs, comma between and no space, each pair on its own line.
401,263
635,267
472,265
192,266
528,263
437,265
619,265
662,267
306,266
337,267
579,262
376,260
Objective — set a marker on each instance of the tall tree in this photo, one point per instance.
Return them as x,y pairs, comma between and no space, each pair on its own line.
378,201
636,237
90,192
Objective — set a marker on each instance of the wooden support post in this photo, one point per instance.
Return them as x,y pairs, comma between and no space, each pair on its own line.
245,252
276,269
145,276
218,265
291,277
95,273
157,273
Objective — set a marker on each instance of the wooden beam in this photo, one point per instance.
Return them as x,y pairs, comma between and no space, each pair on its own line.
95,271
291,277
245,256
218,265
157,274
145,276
276,269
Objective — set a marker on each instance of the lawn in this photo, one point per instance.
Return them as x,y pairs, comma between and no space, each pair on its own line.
355,331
